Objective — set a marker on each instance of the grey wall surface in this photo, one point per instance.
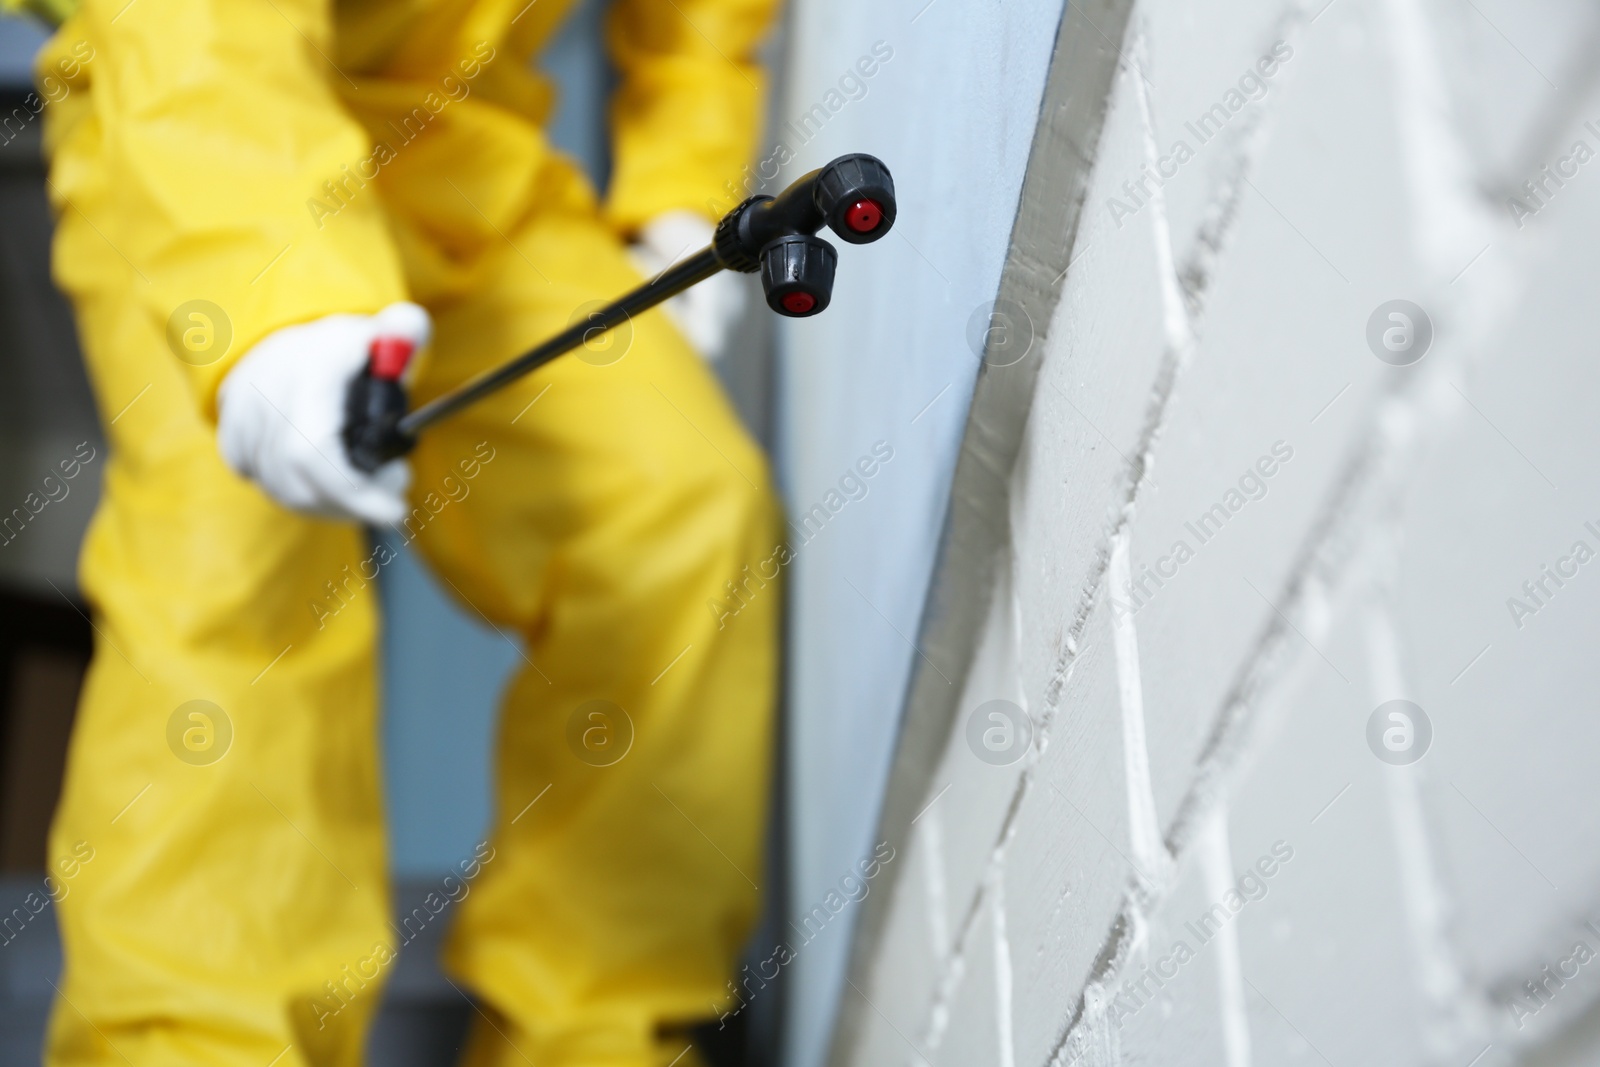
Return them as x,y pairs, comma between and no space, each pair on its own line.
20,38
1177,818
46,410
952,111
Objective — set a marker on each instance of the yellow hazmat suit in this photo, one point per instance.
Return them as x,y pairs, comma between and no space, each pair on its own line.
223,168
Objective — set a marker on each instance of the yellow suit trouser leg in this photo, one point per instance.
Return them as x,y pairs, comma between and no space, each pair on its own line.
621,500
236,881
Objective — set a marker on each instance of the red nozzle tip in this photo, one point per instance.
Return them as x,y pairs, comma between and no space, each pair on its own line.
798,303
388,356
864,216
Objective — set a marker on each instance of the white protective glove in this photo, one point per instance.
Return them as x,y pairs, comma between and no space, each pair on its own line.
705,313
280,413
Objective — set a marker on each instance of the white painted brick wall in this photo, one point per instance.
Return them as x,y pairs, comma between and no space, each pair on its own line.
1183,748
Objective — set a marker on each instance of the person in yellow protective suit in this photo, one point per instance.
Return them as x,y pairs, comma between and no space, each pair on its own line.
225,171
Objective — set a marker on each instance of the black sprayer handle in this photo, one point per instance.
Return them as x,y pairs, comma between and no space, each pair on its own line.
853,196
374,405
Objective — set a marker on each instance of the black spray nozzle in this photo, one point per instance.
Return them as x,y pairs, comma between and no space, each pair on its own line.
853,196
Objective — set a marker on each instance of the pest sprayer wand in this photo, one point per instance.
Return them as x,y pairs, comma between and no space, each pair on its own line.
777,236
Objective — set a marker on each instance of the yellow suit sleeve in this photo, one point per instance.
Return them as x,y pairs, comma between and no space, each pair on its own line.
219,136
687,113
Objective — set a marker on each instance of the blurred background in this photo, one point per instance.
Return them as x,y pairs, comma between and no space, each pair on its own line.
1221,587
